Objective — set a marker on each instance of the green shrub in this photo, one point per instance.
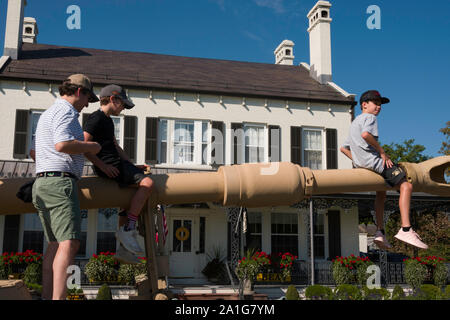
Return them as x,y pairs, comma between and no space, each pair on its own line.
347,292
126,274
33,273
101,268
292,293
351,269
427,292
447,292
415,273
440,275
104,293
376,294
398,293
341,275
318,292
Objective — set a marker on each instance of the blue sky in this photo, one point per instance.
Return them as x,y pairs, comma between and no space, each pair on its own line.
407,60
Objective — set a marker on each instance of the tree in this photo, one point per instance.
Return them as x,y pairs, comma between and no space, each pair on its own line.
445,148
406,152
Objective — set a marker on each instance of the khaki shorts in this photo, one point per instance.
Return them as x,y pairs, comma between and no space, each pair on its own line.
56,199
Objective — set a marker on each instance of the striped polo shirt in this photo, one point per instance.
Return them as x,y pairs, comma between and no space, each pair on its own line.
59,123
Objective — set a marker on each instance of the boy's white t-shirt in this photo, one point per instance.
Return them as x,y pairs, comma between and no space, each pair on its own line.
363,154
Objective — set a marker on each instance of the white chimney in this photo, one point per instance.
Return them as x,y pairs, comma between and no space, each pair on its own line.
284,53
30,30
320,41
14,28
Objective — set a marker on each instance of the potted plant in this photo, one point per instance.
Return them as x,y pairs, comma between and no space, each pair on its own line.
249,266
14,264
286,263
351,269
215,269
102,268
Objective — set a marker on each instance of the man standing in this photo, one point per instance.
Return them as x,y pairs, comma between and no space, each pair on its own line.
59,152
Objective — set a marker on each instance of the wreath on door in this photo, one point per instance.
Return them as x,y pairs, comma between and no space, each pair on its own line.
182,233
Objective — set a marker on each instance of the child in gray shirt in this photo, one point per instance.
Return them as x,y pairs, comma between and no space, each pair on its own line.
363,149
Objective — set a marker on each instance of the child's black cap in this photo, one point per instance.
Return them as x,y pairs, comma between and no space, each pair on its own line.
372,95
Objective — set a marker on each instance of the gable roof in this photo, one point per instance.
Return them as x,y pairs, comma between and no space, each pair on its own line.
166,72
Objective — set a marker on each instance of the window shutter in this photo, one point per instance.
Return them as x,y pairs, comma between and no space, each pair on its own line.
151,140
332,149
218,144
129,138
21,134
237,138
334,233
296,145
274,143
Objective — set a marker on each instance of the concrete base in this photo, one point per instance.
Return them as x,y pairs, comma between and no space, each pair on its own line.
14,290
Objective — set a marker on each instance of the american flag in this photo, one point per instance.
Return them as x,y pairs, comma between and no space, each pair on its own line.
165,230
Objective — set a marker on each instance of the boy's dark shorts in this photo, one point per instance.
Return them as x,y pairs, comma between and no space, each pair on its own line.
394,175
129,174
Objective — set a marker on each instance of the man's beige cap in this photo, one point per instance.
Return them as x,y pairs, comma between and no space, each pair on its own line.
83,81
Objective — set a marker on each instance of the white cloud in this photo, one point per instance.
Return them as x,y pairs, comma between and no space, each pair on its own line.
276,5
252,36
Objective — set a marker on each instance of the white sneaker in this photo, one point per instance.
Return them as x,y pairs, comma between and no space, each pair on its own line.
124,256
411,237
381,241
129,240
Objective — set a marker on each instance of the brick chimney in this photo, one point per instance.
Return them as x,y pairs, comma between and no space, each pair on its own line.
320,41
14,28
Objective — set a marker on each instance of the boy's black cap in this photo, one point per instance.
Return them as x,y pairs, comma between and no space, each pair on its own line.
118,91
372,95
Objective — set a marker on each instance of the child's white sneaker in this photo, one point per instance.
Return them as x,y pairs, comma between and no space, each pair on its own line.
411,237
381,241
129,240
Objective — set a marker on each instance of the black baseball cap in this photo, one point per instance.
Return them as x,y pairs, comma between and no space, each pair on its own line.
372,95
116,91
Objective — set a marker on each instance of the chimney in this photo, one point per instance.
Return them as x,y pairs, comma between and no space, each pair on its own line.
320,41
30,30
14,25
284,53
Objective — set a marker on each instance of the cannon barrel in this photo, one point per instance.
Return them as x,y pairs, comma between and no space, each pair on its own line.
249,185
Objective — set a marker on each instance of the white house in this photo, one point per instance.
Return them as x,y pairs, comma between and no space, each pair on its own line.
296,109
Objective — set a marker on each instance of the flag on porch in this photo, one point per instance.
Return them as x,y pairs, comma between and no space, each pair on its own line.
165,230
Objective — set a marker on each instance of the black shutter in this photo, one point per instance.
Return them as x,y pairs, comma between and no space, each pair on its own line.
274,144
218,144
151,140
332,149
11,233
334,233
129,138
21,134
296,145
237,140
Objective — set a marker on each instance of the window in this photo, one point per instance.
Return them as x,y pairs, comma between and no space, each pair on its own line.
254,143
118,129
34,118
33,234
319,236
106,228
312,148
284,232
82,251
184,142
254,231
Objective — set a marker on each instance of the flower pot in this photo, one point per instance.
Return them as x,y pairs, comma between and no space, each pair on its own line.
248,287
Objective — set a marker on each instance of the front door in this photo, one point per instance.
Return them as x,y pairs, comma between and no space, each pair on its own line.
182,247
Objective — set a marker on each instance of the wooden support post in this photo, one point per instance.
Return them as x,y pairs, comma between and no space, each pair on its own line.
150,247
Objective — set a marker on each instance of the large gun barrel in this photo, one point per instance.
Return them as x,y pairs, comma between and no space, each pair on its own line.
249,185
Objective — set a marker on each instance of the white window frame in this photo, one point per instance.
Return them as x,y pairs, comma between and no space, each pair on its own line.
245,127
323,136
323,235
197,142
30,127
121,129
